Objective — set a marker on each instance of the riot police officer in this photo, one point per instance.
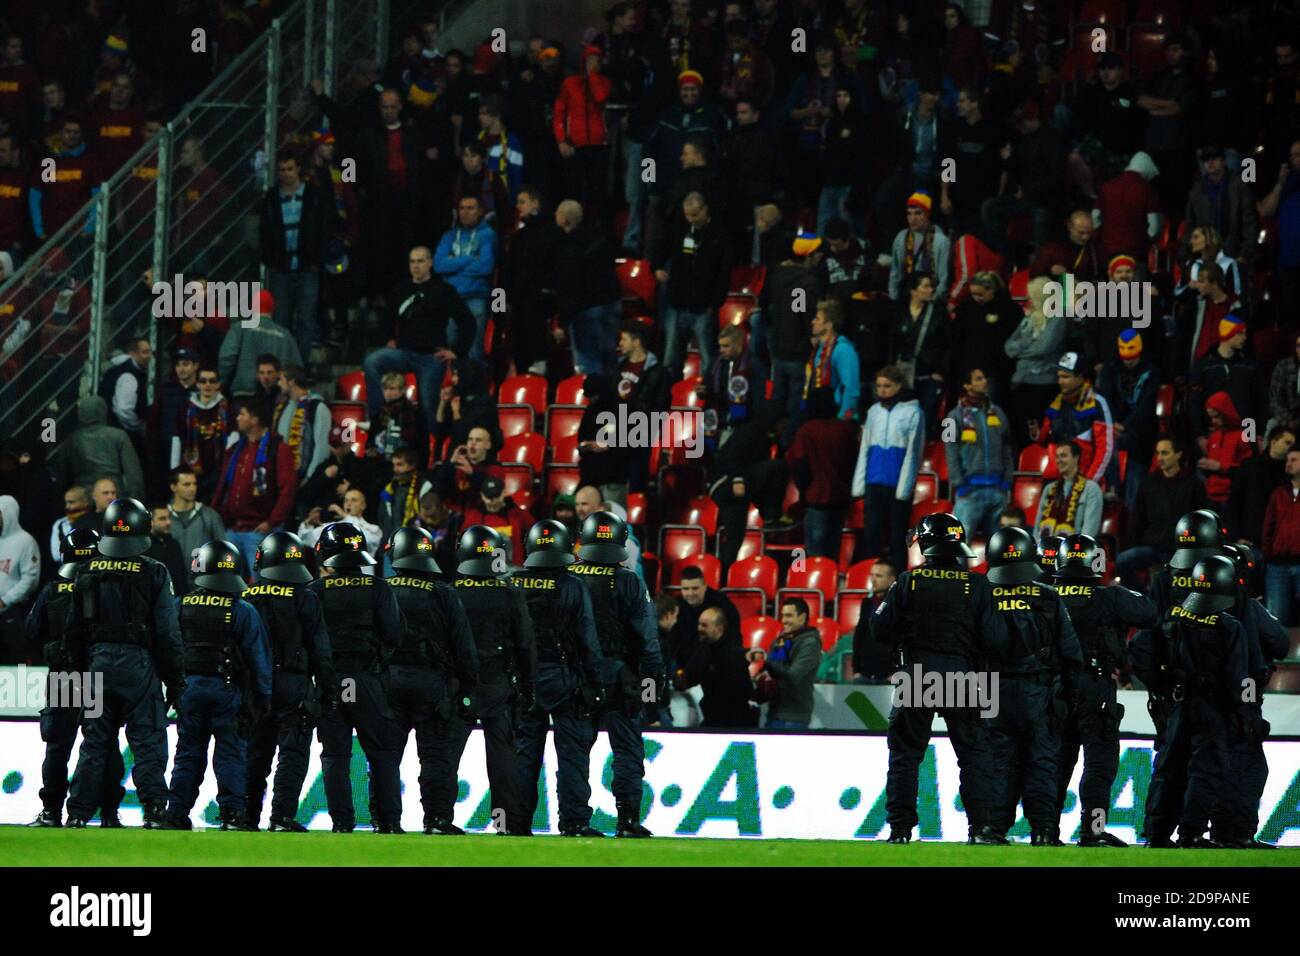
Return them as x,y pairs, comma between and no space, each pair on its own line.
1199,658
122,617
1238,818
1042,661
227,687
941,618
1101,615
365,626
61,718
300,652
507,660
632,661
434,671
569,687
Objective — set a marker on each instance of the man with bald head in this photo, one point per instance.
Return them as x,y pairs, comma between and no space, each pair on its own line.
588,499
587,292
1077,254
102,494
696,267
718,666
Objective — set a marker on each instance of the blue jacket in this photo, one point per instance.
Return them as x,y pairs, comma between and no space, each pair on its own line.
844,375
892,443
466,258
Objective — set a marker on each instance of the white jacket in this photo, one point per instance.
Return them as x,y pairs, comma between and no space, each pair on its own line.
20,557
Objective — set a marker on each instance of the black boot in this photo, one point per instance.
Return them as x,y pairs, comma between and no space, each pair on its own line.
76,823
1198,843
900,836
173,823
986,835
441,825
48,818
343,828
389,828
236,820
1044,838
629,824
580,830
1165,842
109,820
155,816
1101,839
286,825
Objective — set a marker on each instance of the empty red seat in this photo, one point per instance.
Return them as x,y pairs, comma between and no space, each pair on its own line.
1113,12
564,451
636,508
749,602
702,511
636,280
707,564
1146,48
562,421
344,414
681,436
524,390
857,513
829,630
848,547
816,572
935,459
560,480
517,478
691,367
684,396
759,631
927,487
735,310
679,543
528,449
569,391
1025,492
748,280
858,577
515,420
1165,403
848,609
1019,285
1033,458
757,572
351,387
412,387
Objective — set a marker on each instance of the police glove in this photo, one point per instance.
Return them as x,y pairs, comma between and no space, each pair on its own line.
175,690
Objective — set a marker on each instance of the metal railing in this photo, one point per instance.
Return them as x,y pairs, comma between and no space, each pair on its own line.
185,204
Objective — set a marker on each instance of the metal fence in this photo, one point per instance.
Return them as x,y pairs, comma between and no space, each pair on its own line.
186,204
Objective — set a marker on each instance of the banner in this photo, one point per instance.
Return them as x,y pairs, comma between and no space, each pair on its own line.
807,786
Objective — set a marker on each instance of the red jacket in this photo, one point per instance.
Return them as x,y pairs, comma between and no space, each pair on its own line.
822,460
1282,524
580,110
512,523
1124,202
240,508
1225,446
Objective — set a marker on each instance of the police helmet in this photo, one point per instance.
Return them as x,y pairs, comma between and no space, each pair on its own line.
342,545
1048,549
411,549
1198,535
1077,558
283,557
126,529
549,545
78,545
1214,586
478,551
603,539
941,535
1242,557
215,566
1012,555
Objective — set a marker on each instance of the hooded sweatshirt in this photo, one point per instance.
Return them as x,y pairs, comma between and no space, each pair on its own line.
97,449
1225,446
237,360
466,258
194,528
20,557
1128,209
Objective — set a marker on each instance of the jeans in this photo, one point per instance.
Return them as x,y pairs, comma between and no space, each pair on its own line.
1132,560
247,543
429,371
297,295
701,324
821,530
887,521
787,385
1281,581
774,724
978,510
833,204
998,211
594,335
478,308
634,193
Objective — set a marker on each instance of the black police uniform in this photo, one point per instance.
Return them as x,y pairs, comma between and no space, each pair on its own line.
434,666
1101,616
507,656
569,665
227,668
300,651
1201,661
59,725
943,618
1043,657
365,626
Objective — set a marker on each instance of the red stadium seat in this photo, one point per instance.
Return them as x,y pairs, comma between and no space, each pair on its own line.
919,511
848,547
680,435
820,573
858,577
636,508
857,513
683,394
748,280
1165,404
815,600
528,449
560,480
1019,285
1112,12
691,367
749,602
848,609
750,545
351,387
1025,492
702,511
524,498
759,631
650,568
1050,472
569,391
927,487
679,542
562,421
830,632
515,420
359,442
1033,459
1146,48
412,387
757,572
1082,45
564,451
636,280
707,563
736,311
524,390
1165,12
935,459
345,413
517,478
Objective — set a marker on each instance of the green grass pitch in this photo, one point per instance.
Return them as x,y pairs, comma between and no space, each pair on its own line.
20,846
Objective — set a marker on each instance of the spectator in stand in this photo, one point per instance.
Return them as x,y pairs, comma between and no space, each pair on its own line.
921,247
174,396
115,127
193,523
749,173
833,362
296,223
974,141
20,574
257,483
267,387
1170,99
341,470
564,510
666,619
603,461
1033,179
579,127
466,257
463,405
844,159
1223,449
97,448
1280,543
1223,203
351,509
443,525
13,204
303,421
125,387
102,494
821,463
426,318
982,324
793,281
843,270
1109,123
695,598
52,205
20,89
981,461
459,477
587,291
527,275
1128,210
1072,503
1201,316
164,549
1284,389
1078,413
399,501
400,422
245,345
715,661
1129,383
872,662
1254,484
504,154
642,384
921,343
1205,247
792,663
478,180
1230,369
497,511
745,72
338,278
76,502
732,388
1164,495
697,273
1077,256
204,432
888,461
807,108
1283,202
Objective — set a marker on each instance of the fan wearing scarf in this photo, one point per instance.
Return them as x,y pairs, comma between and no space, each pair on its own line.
1078,413
921,247
207,424
980,462
303,420
1072,504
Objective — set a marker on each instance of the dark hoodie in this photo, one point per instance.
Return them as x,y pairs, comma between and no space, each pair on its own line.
1225,446
478,408
719,667
790,330
97,449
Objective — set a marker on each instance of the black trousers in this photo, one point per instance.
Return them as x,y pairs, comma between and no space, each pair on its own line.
363,707
59,727
1093,726
1237,816
629,759
1023,753
419,699
1189,770
496,702
574,737
281,730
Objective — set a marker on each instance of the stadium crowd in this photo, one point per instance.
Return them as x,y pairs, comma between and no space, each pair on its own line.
845,252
